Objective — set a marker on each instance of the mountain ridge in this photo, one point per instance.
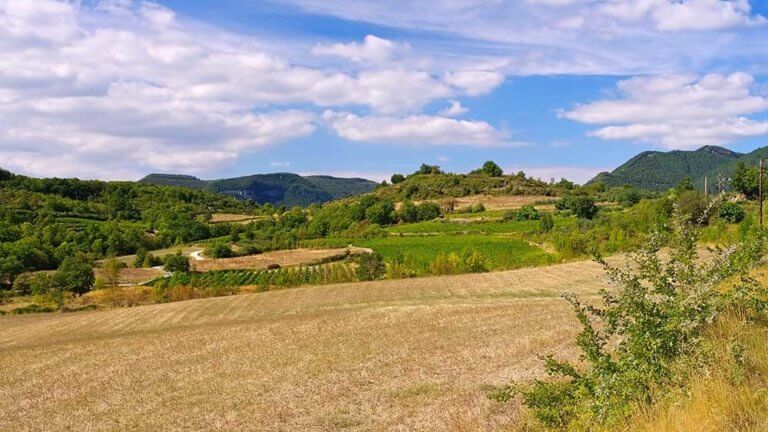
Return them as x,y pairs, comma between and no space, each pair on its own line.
659,171
276,188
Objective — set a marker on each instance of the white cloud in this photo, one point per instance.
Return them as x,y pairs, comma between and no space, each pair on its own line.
121,82
675,15
678,111
455,109
416,130
475,82
373,50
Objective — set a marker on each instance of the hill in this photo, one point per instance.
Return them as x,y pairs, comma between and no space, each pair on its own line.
726,170
660,171
278,189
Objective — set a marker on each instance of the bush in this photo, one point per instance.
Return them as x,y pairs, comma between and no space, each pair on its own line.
654,318
370,267
692,205
731,212
527,212
177,263
546,223
219,250
581,206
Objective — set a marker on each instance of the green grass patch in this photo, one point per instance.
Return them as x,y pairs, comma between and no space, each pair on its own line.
500,253
479,227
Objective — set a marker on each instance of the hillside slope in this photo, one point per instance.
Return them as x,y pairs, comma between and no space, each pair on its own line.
281,188
660,171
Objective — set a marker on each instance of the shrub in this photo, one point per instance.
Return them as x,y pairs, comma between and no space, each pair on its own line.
219,250
473,262
397,178
583,207
445,264
527,212
693,206
370,267
731,212
546,223
655,316
177,263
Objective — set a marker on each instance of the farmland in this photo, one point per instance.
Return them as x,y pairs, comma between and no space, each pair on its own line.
380,355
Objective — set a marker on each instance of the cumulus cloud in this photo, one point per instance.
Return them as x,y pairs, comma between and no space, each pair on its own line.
416,130
678,111
116,81
674,15
372,50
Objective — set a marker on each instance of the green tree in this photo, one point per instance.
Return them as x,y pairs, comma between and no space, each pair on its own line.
746,180
177,263
397,178
492,169
685,184
381,213
429,169
731,212
75,275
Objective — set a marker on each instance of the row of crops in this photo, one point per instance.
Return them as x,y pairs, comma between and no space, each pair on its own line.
265,279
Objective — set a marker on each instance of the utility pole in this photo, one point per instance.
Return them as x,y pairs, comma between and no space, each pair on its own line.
706,191
760,193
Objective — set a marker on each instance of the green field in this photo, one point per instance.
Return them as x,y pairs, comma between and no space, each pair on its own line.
491,227
500,253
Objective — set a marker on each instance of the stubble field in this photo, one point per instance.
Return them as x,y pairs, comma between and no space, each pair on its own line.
392,355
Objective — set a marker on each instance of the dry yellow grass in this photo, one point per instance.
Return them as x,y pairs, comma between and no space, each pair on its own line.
283,258
390,355
233,218
504,202
131,275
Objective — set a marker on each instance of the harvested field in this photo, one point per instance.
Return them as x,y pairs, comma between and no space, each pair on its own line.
233,218
391,355
504,202
283,258
132,276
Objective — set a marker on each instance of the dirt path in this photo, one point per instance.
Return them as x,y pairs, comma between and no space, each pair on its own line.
197,255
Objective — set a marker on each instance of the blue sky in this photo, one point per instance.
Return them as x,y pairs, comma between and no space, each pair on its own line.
117,89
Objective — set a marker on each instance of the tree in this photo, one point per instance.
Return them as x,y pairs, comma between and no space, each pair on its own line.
527,212
370,267
219,250
380,213
428,210
492,169
685,184
583,207
112,269
5,175
397,178
429,169
746,180
177,263
75,275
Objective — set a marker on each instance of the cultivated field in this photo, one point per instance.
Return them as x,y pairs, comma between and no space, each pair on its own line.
505,202
392,355
131,276
233,218
283,258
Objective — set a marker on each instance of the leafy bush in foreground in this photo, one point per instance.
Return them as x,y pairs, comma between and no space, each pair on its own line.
655,317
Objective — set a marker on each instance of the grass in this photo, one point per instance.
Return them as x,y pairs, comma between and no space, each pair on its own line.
412,354
500,253
283,258
485,227
730,394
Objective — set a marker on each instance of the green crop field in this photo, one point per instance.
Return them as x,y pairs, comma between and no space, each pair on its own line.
500,253
490,227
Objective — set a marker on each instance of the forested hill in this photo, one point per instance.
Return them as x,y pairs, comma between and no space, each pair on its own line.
279,189
660,171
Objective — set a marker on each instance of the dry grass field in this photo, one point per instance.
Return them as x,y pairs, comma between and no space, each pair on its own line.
283,258
504,202
131,276
233,218
392,355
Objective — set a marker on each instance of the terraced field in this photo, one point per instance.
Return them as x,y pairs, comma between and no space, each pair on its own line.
391,355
